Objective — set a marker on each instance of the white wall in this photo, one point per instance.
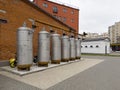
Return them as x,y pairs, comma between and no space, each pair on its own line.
98,50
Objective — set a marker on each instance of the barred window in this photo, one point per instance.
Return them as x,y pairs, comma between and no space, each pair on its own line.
72,20
72,12
64,19
45,5
64,10
55,9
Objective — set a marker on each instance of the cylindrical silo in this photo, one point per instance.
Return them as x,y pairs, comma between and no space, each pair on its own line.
78,48
43,48
69,48
65,48
24,47
72,48
56,48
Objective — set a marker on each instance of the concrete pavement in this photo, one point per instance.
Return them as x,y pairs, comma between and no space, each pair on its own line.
115,53
95,73
48,78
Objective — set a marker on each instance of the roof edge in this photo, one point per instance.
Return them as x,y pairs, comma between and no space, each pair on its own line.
34,5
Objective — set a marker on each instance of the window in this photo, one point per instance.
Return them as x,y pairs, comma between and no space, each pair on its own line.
3,21
55,16
64,10
72,12
97,46
91,46
45,5
81,46
72,20
59,17
55,9
64,19
85,46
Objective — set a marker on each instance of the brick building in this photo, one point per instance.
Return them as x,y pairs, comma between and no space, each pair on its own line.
18,11
64,13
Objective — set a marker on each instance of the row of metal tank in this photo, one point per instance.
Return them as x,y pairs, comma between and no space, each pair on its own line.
51,48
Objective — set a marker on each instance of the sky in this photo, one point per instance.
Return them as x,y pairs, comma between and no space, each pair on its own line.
96,16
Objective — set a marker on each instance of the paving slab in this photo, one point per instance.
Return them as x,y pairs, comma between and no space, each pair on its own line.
53,76
34,68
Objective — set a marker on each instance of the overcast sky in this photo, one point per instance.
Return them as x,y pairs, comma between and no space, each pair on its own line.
96,15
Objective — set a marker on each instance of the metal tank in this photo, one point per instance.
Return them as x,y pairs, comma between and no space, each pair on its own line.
78,48
65,48
43,48
55,48
69,48
72,48
24,47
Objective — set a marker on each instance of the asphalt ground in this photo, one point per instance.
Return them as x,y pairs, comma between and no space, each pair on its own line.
7,83
103,76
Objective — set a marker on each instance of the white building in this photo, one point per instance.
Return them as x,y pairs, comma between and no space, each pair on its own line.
96,46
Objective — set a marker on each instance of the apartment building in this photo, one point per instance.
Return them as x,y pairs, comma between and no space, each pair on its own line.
105,34
114,35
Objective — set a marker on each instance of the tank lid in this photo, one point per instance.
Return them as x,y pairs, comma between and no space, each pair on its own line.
55,34
24,27
43,30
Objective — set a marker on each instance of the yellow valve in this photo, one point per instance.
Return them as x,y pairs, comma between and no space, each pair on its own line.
12,63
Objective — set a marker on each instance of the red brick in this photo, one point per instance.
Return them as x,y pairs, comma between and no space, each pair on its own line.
18,11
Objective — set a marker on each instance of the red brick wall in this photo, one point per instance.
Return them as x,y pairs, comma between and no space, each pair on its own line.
18,11
60,13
